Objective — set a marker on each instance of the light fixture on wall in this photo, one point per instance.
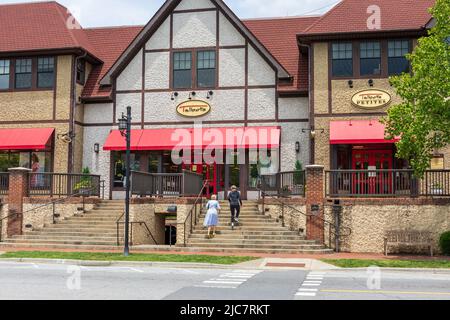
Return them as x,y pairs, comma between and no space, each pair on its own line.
209,94
192,95
297,147
97,148
313,132
174,95
350,84
371,82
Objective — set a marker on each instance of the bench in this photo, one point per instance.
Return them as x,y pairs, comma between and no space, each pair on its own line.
408,238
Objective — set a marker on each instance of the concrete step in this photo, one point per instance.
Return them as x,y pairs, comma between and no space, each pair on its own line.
245,228
231,250
234,236
257,247
43,242
92,219
72,234
45,237
75,224
233,242
237,232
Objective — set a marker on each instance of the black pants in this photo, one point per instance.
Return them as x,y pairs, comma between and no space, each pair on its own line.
235,211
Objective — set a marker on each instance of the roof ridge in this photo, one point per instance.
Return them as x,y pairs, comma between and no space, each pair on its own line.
324,16
283,18
114,27
11,4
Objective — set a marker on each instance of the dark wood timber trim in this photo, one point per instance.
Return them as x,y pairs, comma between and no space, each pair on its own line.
55,87
330,85
223,122
197,89
34,122
194,10
246,83
143,90
312,106
343,115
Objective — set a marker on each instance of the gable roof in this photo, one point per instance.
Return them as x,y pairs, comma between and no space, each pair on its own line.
351,17
279,36
109,43
160,17
40,26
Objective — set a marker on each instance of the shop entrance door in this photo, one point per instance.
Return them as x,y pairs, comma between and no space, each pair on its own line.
213,174
376,182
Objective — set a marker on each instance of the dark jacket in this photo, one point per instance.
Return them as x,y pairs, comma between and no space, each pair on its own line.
235,198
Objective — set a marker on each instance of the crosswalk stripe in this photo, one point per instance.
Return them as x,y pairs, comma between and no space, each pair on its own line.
308,290
306,294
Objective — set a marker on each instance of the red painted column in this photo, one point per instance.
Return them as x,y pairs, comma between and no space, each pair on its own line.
18,190
315,197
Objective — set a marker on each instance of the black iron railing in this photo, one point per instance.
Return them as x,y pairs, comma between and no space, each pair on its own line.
132,224
386,183
63,184
4,183
291,183
166,184
194,214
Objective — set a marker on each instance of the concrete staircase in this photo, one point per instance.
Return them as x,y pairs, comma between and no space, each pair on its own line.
96,229
258,234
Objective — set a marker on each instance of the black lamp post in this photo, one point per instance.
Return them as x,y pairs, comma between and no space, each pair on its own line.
125,129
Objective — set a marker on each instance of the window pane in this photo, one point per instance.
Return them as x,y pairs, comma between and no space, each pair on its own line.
398,65
398,48
370,66
182,79
206,78
4,82
46,64
206,69
342,68
4,74
23,81
4,67
23,73
45,80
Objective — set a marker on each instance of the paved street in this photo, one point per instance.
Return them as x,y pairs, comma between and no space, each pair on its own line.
38,281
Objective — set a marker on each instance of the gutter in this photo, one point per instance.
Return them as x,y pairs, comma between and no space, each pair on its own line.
310,97
72,111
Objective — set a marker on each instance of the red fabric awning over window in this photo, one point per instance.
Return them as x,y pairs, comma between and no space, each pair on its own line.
358,132
168,139
25,139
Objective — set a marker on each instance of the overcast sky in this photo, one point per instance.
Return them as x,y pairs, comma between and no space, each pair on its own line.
97,13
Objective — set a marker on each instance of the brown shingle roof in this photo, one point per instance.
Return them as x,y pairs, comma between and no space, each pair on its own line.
351,16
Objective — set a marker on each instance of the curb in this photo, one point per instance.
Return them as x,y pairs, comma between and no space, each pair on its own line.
89,263
416,270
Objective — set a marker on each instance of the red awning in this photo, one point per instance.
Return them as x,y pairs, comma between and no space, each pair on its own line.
25,139
358,132
168,139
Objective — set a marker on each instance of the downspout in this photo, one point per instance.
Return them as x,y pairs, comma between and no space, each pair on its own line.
310,98
72,112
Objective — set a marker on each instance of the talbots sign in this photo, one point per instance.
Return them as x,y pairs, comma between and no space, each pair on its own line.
193,109
371,99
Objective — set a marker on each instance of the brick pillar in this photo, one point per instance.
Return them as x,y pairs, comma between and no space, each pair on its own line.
18,189
315,203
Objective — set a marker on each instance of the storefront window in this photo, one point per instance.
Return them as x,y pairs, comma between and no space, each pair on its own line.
38,162
120,167
168,166
153,162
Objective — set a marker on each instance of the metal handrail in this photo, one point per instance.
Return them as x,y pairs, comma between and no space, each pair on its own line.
141,223
336,232
194,211
52,203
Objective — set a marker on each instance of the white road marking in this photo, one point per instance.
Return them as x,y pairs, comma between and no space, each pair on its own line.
230,280
313,279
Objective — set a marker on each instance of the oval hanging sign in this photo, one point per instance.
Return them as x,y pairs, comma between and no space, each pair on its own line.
193,109
371,99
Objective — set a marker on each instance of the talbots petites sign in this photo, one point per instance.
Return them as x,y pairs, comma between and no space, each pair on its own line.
371,99
193,109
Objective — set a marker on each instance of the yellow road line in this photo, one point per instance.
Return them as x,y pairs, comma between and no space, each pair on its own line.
388,292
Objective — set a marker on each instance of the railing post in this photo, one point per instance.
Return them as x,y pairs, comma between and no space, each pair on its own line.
18,190
282,215
54,213
315,203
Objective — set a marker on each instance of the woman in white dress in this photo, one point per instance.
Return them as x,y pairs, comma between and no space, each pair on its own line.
212,216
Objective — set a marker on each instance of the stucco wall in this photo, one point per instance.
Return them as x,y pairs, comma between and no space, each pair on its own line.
196,29
131,76
320,61
146,213
161,38
229,36
157,70
369,223
232,67
259,71
194,4
293,219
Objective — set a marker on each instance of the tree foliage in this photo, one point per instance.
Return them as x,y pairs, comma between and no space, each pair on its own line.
422,120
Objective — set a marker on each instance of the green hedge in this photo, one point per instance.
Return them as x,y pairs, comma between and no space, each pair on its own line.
444,243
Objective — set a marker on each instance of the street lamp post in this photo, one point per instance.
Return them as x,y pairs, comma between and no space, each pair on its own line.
125,129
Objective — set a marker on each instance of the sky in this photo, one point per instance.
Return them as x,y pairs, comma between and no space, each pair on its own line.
100,13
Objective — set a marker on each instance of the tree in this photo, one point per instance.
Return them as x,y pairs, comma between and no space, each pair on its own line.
298,173
422,120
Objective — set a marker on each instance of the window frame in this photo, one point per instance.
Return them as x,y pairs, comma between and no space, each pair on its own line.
34,73
332,60
410,45
31,73
191,69
8,74
356,57
380,58
82,80
194,75
45,72
197,69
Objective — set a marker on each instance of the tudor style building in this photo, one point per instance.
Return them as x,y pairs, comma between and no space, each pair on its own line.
317,86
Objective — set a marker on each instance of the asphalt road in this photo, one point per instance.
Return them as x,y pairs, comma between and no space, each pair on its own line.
24,281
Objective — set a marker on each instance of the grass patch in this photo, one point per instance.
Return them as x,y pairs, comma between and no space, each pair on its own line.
94,256
414,264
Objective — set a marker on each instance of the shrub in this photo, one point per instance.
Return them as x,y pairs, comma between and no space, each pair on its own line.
444,243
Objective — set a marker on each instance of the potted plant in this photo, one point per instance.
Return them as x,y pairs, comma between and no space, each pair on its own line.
84,187
437,189
254,174
298,178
